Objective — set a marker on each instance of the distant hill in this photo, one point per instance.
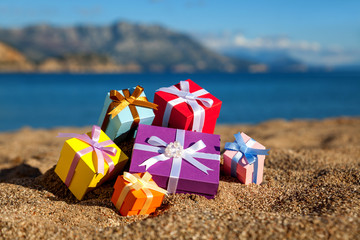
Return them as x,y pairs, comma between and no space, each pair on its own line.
13,61
275,60
120,47
85,63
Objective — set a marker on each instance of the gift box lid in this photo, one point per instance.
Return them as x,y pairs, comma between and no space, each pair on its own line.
76,145
230,154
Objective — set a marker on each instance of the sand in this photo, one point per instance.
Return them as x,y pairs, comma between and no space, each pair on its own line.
311,190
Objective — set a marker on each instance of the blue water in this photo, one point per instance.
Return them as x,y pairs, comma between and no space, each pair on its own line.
49,100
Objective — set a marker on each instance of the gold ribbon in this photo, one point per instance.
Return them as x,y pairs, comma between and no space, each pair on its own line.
119,102
136,182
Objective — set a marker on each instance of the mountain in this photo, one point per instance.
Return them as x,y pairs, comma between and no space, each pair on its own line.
275,60
123,46
85,63
13,61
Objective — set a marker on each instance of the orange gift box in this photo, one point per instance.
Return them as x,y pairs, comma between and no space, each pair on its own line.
137,194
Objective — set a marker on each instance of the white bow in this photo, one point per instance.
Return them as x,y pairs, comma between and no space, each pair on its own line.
191,99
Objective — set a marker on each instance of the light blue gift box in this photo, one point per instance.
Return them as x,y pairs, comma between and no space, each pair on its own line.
120,126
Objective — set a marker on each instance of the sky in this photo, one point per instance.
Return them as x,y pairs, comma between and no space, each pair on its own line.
317,31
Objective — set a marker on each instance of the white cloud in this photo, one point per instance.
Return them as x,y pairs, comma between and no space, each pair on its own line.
227,40
329,56
310,52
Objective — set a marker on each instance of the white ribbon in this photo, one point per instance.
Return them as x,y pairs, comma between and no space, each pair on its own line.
184,95
177,153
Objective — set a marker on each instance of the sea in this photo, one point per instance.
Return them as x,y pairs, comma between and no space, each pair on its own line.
53,100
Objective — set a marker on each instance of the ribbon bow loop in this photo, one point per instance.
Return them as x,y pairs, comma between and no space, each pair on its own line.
190,96
185,93
241,146
116,96
142,182
122,101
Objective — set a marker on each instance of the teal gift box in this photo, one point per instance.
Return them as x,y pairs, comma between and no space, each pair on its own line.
122,112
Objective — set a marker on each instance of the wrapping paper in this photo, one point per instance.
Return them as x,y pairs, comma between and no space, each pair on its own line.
136,194
191,178
177,111
247,170
87,175
122,125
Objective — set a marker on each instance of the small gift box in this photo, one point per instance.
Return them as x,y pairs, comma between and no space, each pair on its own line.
123,111
186,106
180,161
88,160
137,194
244,159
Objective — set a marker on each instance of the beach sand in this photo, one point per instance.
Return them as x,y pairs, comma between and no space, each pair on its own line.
311,190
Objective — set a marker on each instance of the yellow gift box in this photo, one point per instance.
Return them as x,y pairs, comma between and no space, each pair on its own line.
88,160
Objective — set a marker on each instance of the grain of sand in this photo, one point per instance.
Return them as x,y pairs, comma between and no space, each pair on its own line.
311,190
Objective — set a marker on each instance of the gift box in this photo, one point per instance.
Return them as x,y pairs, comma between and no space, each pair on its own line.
186,106
88,160
123,111
137,194
180,161
244,159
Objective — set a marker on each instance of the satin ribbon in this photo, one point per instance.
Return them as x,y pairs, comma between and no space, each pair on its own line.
191,99
139,183
189,154
244,149
101,151
120,102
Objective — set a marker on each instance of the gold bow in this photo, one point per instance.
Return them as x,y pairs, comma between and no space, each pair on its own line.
136,182
119,102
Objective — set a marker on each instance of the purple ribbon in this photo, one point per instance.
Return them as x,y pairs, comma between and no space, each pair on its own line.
102,152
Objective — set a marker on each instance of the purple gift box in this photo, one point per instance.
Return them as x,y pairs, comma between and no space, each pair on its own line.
191,158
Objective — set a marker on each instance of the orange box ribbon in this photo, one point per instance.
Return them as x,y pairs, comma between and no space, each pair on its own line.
136,182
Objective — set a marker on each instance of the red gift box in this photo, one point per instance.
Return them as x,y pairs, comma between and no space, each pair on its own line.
182,115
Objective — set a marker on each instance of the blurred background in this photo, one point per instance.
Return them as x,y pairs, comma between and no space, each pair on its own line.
264,59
